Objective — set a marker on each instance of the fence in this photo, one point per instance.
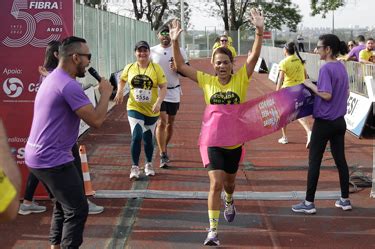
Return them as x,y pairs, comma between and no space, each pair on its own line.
111,38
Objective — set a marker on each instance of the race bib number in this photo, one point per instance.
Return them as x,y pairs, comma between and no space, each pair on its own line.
142,95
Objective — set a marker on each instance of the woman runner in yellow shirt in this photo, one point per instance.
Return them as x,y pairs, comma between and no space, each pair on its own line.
223,88
292,72
144,78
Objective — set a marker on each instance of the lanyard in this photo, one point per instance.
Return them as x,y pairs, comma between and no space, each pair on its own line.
145,69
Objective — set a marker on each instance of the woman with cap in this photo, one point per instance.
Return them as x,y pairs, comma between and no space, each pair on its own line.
291,73
144,78
222,88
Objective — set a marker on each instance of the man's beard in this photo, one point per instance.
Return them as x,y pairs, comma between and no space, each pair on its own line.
166,42
80,71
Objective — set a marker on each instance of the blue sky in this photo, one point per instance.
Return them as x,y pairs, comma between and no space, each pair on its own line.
356,12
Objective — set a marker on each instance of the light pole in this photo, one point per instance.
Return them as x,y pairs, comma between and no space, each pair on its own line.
333,21
182,23
208,38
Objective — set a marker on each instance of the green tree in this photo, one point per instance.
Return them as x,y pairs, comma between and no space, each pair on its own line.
153,11
175,11
93,3
324,6
157,12
277,13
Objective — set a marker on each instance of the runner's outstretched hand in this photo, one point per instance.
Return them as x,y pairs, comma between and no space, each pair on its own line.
174,29
256,18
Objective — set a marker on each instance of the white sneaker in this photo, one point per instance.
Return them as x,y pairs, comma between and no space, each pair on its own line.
149,170
134,172
283,140
93,208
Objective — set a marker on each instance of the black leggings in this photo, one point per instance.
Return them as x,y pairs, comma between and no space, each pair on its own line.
322,132
32,181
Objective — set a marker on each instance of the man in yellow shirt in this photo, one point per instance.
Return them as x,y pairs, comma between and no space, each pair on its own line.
10,180
365,56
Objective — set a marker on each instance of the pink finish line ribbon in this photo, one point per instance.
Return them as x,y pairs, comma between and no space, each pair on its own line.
228,125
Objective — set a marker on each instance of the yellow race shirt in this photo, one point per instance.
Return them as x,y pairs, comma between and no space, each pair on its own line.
232,93
7,191
293,69
365,55
143,83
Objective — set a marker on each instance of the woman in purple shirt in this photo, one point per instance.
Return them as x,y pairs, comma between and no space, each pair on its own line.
331,95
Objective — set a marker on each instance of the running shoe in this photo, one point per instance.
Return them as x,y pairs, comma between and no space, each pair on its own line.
149,170
93,208
134,172
303,208
212,238
229,211
26,209
164,160
283,140
345,205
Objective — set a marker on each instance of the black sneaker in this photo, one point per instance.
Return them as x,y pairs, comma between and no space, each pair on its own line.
166,157
164,160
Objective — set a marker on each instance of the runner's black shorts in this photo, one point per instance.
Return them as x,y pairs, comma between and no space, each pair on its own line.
224,159
170,108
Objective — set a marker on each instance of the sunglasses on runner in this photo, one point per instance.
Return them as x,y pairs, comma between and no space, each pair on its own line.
164,33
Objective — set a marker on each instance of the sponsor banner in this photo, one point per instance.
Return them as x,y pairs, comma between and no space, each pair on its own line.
27,26
91,95
228,125
357,112
260,66
370,86
274,73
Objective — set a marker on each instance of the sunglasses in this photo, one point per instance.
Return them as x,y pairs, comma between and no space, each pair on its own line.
164,33
223,40
80,54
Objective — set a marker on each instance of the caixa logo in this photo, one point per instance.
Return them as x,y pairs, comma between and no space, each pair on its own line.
13,87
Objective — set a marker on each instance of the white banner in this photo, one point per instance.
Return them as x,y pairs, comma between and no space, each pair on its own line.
358,110
274,72
91,94
370,86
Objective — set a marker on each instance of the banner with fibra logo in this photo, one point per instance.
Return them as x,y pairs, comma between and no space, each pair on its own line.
26,28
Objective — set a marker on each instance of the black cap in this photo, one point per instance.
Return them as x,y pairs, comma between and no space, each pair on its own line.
141,44
163,28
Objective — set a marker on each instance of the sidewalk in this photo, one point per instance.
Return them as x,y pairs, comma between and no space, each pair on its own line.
181,223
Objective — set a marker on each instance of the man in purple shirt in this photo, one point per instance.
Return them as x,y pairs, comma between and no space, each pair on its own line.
59,105
354,53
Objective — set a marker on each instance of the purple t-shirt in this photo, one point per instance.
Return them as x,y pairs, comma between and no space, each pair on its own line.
332,79
355,51
55,124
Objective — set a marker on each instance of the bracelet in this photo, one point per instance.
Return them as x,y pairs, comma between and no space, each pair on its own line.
258,34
